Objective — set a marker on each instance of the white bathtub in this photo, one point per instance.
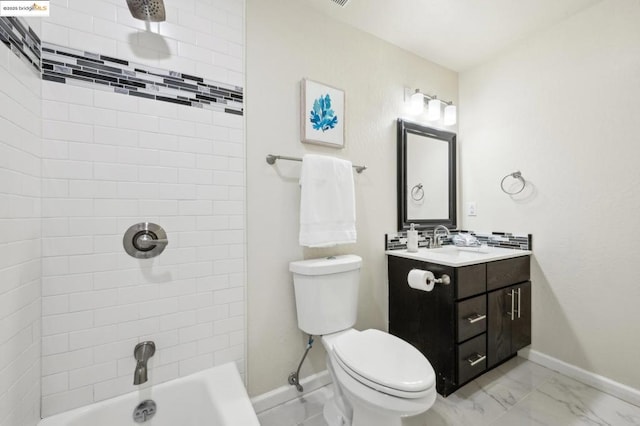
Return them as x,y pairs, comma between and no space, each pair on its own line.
213,397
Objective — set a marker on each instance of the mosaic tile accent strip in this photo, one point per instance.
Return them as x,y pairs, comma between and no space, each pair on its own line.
503,239
398,240
71,66
20,38
66,65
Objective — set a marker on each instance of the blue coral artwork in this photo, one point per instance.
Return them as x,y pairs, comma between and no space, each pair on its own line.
322,117
322,113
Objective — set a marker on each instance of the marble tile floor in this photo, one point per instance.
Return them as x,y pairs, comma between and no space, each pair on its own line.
518,393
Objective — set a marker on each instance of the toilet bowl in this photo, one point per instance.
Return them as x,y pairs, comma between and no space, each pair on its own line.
378,379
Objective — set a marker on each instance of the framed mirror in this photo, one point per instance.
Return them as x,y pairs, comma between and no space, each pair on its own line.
426,176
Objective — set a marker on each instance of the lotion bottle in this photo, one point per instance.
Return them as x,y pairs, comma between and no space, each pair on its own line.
412,239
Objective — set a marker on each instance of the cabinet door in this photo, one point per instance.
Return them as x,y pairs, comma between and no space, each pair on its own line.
521,325
509,325
499,325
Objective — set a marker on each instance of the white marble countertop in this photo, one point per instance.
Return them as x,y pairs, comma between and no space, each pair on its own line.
463,256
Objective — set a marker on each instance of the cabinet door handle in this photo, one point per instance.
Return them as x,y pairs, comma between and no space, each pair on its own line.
475,318
519,298
512,295
477,358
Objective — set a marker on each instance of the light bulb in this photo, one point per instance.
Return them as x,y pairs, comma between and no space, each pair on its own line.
417,103
450,112
434,110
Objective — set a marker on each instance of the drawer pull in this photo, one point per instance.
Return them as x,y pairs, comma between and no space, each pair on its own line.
478,359
475,318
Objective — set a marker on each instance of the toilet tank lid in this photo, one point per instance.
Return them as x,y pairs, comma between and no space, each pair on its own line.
326,265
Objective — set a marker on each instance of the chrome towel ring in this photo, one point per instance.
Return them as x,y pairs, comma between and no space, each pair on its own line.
516,175
417,192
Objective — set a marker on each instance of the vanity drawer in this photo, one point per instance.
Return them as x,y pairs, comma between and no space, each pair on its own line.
472,358
471,280
472,317
506,272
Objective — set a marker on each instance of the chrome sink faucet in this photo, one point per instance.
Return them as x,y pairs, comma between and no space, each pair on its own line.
142,352
437,237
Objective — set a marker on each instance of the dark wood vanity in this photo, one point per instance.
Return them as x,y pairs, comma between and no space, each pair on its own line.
467,327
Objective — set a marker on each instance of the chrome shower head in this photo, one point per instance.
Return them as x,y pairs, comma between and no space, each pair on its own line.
147,10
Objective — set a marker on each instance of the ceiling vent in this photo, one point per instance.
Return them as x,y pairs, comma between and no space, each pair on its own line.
341,3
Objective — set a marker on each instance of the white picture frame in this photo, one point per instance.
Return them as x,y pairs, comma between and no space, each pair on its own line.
322,119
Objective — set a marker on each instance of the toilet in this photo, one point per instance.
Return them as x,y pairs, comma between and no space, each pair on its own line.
377,377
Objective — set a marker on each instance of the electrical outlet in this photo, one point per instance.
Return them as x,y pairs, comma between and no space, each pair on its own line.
472,208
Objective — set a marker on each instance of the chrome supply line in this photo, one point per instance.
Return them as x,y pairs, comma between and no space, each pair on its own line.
294,377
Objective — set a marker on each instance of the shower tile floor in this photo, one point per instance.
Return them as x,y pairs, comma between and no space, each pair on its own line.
518,393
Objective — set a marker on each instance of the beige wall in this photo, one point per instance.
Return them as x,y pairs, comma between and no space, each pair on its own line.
563,108
287,41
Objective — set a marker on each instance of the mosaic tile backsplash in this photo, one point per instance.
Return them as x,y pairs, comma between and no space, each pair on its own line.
398,240
70,66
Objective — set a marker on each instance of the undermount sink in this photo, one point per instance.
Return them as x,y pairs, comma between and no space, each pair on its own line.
454,250
459,256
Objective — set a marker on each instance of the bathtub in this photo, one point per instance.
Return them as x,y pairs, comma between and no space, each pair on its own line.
213,397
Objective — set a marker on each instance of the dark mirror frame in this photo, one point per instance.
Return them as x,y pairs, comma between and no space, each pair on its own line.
405,127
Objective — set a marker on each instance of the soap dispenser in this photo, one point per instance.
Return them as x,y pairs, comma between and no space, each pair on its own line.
412,239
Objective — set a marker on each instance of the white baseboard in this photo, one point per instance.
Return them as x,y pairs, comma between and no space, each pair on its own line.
287,393
623,392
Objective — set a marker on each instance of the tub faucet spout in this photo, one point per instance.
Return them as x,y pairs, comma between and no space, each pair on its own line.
140,376
142,352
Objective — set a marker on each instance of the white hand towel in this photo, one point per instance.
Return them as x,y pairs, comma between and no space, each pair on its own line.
327,202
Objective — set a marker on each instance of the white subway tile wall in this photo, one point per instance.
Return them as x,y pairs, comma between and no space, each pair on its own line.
110,161
20,229
94,294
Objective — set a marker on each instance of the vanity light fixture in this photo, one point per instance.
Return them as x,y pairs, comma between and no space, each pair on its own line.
417,99
434,109
450,114
417,102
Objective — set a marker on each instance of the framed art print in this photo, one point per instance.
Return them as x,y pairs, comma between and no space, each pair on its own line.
322,113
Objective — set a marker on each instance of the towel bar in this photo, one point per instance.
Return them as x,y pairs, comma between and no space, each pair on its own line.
271,159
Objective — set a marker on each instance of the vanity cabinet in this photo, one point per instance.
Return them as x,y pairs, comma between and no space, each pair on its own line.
478,321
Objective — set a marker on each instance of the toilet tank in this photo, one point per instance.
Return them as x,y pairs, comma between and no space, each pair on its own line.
326,292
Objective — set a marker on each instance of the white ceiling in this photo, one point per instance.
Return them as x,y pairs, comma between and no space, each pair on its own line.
456,34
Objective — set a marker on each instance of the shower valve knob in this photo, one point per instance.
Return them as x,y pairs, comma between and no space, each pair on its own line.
145,240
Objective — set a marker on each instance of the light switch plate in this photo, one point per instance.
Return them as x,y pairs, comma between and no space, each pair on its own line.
472,208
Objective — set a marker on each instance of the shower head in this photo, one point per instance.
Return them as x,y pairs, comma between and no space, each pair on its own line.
147,10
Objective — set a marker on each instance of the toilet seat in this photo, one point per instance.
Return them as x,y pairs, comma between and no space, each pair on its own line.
385,363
